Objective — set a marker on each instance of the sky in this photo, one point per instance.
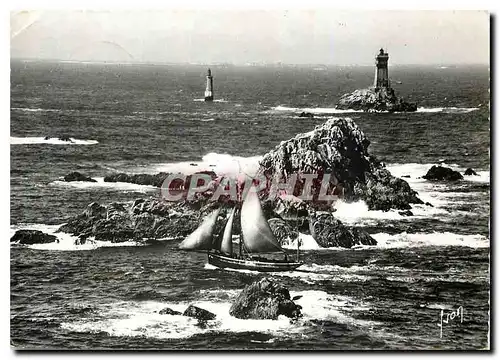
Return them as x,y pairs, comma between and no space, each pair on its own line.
316,36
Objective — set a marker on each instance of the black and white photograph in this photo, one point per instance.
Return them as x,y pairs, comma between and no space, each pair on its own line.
250,179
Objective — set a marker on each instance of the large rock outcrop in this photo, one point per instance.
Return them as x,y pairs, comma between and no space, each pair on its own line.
330,232
30,237
142,219
264,299
339,148
375,99
442,173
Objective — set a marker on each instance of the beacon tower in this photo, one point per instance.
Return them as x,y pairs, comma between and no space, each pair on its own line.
209,91
382,70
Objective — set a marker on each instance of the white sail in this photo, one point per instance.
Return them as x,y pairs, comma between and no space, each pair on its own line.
201,238
257,235
226,246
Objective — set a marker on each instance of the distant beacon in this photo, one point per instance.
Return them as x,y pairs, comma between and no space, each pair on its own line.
209,91
382,71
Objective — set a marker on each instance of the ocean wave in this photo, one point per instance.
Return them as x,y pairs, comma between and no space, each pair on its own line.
307,273
448,110
452,110
119,186
221,164
50,141
215,100
35,110
439,194
431,239
66,241
316,110
142,319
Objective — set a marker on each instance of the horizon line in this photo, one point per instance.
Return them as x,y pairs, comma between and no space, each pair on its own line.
223,63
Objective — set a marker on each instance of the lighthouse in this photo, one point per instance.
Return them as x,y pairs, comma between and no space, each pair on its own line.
209,91
381,70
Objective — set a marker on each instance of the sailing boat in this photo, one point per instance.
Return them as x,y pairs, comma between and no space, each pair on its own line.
256,237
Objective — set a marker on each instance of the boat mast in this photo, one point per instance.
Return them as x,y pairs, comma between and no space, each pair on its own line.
241,238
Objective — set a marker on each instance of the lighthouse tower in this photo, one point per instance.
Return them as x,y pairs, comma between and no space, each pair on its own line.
382,70
209,91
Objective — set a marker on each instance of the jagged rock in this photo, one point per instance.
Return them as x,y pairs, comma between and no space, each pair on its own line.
264,299
442,173
169,311
283,231
469,172
405,213
143,219
140,179
198,313
330,232
30,237
375,99
339,148
76,176
306,114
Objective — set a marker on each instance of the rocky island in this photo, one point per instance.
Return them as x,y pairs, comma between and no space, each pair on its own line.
380,97
336,151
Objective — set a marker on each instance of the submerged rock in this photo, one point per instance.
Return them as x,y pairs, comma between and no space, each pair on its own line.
442,173
264,299
306,114
199,313
470,172
30,237
169,311
76,176
340,149
405,213
375,99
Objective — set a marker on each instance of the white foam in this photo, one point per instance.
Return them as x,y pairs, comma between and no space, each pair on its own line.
452,110
50,141
66,241
35,110
310,273
316,110
221,164
307,242
431,239
119,186
142,319
433,192
215,100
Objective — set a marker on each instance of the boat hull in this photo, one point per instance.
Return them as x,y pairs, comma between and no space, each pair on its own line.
254,265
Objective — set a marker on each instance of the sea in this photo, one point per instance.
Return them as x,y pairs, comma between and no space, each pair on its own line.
147,118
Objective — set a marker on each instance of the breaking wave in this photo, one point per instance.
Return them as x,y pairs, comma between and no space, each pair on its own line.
215,100
447,110
316,110
432,239
142,318
119,186
66,241
50,141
